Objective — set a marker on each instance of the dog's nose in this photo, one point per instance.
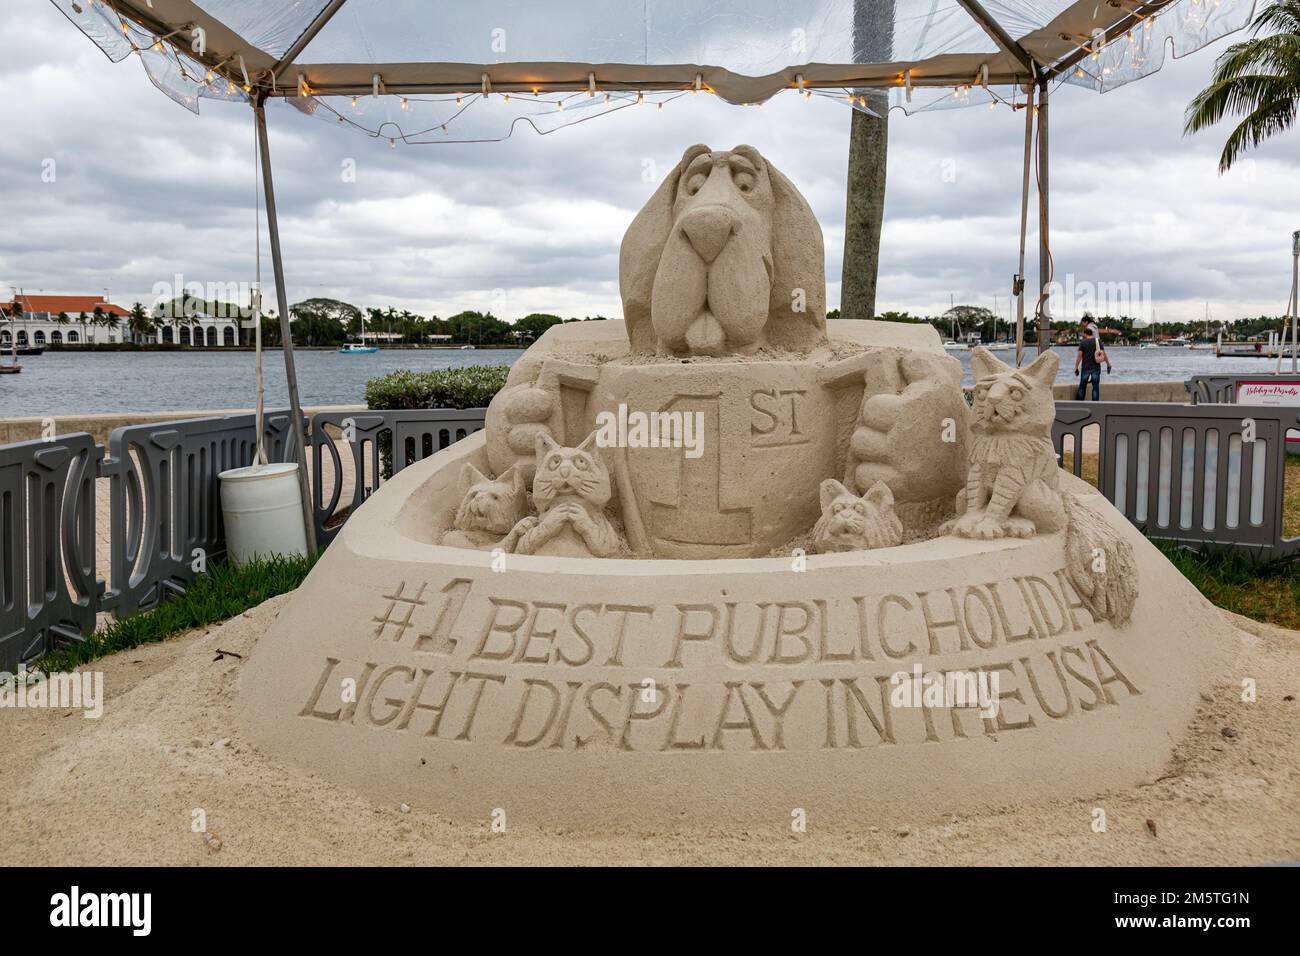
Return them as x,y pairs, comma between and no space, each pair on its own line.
708,229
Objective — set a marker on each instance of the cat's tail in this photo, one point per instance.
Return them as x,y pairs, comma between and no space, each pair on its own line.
1100,563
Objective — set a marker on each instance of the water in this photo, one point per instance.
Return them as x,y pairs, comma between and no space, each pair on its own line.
1133,364
69,383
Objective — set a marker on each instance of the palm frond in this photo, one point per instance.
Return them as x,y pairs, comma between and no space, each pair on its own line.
1258,79
1269,119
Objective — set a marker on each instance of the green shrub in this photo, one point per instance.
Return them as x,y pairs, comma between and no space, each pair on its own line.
470,387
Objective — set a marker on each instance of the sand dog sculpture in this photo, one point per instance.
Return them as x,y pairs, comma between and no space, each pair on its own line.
724,558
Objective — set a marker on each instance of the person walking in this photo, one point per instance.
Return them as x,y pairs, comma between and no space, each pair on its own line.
1090,358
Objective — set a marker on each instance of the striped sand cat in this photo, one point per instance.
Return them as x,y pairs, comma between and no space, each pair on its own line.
570,489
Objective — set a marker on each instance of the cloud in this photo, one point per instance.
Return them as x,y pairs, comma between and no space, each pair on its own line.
145,190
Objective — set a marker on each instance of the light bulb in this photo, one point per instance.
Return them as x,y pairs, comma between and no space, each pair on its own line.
392,144
405,105
640,97
354,102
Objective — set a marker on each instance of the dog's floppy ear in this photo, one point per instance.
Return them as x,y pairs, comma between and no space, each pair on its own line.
799,269
638,258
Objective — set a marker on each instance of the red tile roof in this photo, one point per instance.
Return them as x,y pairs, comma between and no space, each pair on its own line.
71,304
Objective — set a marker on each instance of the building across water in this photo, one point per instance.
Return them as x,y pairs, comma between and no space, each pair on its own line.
45,320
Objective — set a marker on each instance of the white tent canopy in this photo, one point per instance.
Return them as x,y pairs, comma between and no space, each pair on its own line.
745,51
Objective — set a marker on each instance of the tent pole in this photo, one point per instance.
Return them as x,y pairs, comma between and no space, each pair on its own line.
286,333
1044,246
1024,224
1295,295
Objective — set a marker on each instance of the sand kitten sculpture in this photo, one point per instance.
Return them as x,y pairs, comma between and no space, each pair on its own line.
850,523
570,490
489,510
1013,485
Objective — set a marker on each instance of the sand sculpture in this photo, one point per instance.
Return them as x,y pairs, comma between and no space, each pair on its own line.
725,558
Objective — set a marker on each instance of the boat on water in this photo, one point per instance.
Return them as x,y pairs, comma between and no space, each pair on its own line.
10,369
950,345
361,348
1000,346
29,350
463,347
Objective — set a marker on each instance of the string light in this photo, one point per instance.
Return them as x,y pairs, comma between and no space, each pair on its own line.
640,97
405,105
354,102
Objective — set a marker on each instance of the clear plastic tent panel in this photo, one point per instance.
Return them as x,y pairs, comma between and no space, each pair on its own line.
270,25
1182,29
169,67
750,37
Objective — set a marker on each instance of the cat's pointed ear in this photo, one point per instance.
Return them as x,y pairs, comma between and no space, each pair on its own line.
1043,369
589,443
469,477
880,496
832,489
984,363
543,446
513,476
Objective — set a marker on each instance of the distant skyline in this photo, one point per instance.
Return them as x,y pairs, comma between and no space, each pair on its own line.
143,190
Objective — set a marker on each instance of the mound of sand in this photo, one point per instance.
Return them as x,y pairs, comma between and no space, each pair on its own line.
123,790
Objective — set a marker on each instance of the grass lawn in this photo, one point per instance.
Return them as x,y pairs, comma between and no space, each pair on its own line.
226,590
1264,592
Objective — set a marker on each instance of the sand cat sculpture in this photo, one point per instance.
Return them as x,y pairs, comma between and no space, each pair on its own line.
1013,484
850,523
490,509
571,488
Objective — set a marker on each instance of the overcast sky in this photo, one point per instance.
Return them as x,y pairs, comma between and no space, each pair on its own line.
143,190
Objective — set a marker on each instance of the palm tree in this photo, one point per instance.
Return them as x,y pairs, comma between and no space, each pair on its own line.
81,320
864,212
1257,79
139,323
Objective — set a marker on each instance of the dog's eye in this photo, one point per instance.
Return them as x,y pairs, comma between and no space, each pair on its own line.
1016,393
860,508
696,183
744,182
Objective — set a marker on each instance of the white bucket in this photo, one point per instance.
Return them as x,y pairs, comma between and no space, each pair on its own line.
262,505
